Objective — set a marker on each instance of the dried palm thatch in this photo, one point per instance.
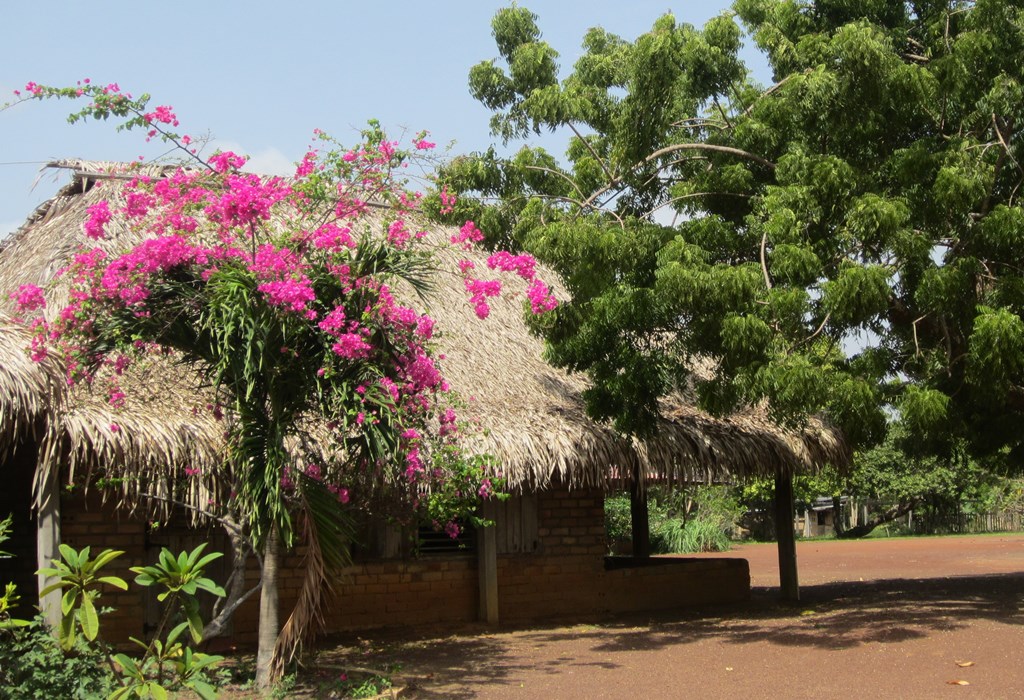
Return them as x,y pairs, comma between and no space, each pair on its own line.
530,415
166,429
29,390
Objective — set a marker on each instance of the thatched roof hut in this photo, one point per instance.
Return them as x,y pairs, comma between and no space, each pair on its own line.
531,414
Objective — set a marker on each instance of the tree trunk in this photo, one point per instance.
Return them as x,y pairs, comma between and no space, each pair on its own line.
639,518
237,593
895,512
837,516
784,507
269,625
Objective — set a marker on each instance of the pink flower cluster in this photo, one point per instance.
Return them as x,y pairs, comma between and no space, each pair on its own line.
202,230
246,200
447,201
226,161
28,297
98,217
31,87
468,235
479,291
524,265
163,115
540,297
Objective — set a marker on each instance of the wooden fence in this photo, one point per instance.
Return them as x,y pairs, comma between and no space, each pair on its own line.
964,523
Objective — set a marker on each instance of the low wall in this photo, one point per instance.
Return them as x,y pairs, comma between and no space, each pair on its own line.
566,575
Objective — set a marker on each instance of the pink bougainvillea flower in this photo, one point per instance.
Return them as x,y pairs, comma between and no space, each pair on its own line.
28,297
98,217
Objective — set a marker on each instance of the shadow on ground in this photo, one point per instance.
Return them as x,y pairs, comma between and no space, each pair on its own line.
833,616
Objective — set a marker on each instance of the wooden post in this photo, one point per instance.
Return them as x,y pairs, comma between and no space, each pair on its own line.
639,518
487,565
48,545
784,507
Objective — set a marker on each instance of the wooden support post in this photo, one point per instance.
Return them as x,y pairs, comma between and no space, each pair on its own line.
48,545
487,566
639,517
786,537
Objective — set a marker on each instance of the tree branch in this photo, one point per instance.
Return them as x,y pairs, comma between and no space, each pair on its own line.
815,334
592,151
710,147
764,261
696,194
559,174
771,90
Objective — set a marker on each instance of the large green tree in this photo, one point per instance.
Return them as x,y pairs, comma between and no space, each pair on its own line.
844,239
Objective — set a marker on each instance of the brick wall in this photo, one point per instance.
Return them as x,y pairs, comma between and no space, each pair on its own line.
565,576
89,523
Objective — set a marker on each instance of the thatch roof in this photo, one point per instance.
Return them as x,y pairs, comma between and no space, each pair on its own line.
29,390
531,414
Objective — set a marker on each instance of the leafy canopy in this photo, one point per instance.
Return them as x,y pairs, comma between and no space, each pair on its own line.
842,241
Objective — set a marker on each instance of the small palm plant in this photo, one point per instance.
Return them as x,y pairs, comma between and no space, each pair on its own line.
78,576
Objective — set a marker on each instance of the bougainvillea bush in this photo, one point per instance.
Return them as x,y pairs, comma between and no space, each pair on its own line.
281,291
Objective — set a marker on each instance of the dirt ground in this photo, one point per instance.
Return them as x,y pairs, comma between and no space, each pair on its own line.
881,618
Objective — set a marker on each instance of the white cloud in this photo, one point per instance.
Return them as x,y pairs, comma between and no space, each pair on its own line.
269,161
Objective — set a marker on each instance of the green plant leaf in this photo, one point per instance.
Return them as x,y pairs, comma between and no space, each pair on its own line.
71,556
195,623
52,587
115,581
203,690
67,632
105,557
67,601
90,620
173,635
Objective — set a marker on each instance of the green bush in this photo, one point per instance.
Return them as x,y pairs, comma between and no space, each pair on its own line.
693,519
696,535
617,524
33,665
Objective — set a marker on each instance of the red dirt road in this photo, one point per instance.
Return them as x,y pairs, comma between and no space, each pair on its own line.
879,619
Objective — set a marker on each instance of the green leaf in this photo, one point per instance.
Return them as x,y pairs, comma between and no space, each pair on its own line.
173,635
105,557
51,588
71,556
115,581
203,690
128,665
67,632
195,623
67,601
90,620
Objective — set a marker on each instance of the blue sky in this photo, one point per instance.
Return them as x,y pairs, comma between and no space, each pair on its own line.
260,77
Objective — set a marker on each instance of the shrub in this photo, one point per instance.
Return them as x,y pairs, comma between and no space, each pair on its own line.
33,665
695,519
618,526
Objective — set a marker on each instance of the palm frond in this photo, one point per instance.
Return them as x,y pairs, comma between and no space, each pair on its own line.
327,533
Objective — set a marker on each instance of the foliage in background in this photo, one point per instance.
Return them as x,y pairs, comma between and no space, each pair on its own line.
894,481
10,597
692,519
33,665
